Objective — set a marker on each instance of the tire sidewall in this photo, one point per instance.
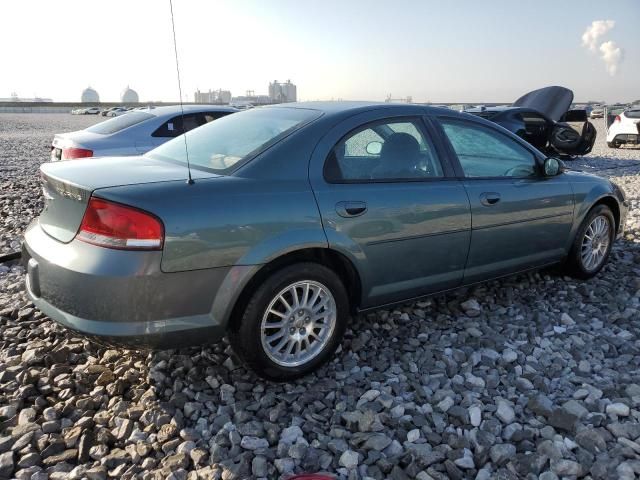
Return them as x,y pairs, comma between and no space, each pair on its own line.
249,332
577,245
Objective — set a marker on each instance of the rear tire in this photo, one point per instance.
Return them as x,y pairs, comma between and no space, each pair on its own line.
592,243
282,337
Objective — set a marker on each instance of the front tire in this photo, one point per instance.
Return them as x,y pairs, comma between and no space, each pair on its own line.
613,145
293,322
592,244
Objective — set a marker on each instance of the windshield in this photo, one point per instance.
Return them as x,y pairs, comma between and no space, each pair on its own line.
119,123
224,144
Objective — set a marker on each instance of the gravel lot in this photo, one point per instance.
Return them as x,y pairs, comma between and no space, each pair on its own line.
534,376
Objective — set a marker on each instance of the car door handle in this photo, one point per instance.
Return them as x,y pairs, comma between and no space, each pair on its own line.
489,198
351,209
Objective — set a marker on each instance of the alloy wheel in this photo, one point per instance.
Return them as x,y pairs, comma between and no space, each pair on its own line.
298,323
595,243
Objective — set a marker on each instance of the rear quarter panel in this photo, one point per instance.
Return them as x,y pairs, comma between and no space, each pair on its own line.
227,221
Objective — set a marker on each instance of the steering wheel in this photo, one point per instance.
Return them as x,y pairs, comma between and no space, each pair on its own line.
518,171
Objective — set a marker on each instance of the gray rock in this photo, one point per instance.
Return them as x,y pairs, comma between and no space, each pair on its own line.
563,420
254,443
378,442
6,443
548,476
565,467
618,409
96,473
505,412
466,461
29,460
284,465
27,415
575,408
348,459
259,466
502,452
446,404
470,305
6,464
626,430
475,415
540,405
591,440
509,355
413,435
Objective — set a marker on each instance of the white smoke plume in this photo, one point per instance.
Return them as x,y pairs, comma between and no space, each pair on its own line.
592,34
612,56
609,52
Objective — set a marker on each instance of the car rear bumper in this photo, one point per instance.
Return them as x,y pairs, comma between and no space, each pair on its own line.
122,297
631,138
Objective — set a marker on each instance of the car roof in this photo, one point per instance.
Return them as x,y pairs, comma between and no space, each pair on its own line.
354,107
491,109
175,109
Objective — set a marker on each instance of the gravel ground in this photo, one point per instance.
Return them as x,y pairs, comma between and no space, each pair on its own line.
533,376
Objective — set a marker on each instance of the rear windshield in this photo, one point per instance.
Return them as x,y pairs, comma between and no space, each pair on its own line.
116,124
635,113
223,145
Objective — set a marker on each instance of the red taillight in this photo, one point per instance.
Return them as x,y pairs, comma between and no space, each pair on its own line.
113,225
73,152
618,119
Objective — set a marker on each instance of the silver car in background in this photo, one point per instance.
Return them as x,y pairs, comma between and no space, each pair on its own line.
135,132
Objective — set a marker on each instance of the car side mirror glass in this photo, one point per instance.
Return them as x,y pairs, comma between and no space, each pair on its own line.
552,167
374,148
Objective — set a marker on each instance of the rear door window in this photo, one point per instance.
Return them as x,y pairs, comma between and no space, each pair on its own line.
211,116
177,125
384,150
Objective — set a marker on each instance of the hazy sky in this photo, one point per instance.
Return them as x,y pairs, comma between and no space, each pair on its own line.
462,51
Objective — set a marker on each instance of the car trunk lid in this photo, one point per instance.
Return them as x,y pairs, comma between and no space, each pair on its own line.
553,102
67,186
79,139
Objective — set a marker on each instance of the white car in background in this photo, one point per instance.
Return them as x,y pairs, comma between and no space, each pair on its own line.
597,112
116,112
89,111
134,133
624,128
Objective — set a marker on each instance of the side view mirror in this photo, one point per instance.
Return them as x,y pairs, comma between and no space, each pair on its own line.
374,148
552,167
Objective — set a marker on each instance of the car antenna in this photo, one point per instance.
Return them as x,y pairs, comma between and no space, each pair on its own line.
184,134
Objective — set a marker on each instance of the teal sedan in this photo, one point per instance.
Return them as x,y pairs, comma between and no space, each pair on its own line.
274,225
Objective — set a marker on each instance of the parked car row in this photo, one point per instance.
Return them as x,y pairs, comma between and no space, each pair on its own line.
297,215
86,111
105,112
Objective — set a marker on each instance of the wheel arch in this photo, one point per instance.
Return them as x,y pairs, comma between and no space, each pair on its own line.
612,203
330,258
